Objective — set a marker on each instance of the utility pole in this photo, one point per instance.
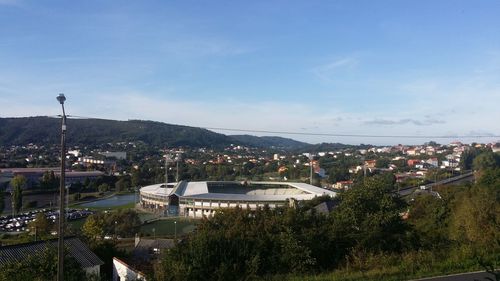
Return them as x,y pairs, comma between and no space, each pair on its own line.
60,245
167,158
177,169
311,169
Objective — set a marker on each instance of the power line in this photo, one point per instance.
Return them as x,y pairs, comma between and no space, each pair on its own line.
324,134
350,135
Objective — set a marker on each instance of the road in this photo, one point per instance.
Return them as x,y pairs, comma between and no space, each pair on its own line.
465,177
471,276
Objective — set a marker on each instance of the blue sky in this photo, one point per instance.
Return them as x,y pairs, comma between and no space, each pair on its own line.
342,67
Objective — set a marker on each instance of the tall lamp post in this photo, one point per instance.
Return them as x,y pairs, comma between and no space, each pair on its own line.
60,249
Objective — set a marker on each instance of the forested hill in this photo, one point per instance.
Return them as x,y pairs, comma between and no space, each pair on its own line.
46,130
265,141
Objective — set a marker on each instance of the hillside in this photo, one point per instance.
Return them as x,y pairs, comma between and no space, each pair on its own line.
46,130
276,142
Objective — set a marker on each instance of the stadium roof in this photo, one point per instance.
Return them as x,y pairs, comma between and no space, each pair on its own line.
200,190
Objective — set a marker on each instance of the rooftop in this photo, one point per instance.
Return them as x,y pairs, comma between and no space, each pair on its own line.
77,249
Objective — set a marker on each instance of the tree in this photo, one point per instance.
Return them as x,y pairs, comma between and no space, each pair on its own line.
382,163
368,217
338,173
475,218
124,223
103,187
122,184
490,178
467,158
93,228
41,224
18,182
49,180
2,202
430,218
486,160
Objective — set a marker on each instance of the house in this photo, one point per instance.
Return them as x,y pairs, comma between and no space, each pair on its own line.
411,152
123,272
325,207
33,175
433,162
147,249
342,185
495,148
413,162
144,252
89,262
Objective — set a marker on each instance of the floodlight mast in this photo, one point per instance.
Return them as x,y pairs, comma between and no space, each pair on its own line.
60,248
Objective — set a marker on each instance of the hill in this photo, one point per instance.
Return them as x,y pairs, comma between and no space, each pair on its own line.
321,147
46,130
275,142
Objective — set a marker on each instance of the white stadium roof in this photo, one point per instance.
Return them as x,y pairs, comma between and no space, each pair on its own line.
200,191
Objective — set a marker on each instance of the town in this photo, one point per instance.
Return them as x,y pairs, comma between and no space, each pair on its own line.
103,181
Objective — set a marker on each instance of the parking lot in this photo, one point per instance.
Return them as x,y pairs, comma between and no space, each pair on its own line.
20,222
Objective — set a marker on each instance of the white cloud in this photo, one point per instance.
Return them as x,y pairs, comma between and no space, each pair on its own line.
330,71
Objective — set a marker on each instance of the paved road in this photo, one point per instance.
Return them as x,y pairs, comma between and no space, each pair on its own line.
409,190
471,276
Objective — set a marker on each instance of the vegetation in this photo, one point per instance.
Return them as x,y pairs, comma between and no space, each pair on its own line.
2,202
18,182
41,225
268,142
44,130
370,235
123,223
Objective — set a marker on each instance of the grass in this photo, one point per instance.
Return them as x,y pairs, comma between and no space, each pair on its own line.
405,269
76,225
166,227
130,205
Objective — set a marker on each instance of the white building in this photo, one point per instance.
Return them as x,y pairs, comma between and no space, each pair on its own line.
198,199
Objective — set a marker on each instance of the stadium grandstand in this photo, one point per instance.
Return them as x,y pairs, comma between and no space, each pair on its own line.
198,199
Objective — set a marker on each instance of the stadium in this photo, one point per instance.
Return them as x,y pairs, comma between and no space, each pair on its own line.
198,199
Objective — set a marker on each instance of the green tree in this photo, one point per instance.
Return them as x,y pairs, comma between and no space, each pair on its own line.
476,216
122,184
430,218
41,224
490,178
18,182
486,160
124,223
467,158
382,163
103,187
49,180
369,217
2,202
94,227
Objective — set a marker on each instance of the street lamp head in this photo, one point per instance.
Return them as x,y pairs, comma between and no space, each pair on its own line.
61,98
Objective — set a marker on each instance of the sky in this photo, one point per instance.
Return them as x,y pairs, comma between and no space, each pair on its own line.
390,68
